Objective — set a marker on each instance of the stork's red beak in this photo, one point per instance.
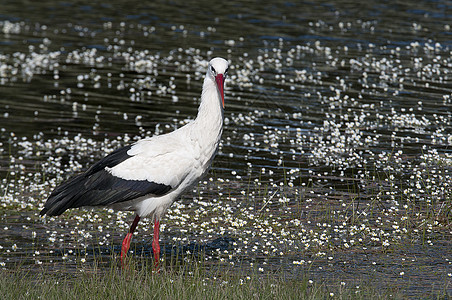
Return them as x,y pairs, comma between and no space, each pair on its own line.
220,84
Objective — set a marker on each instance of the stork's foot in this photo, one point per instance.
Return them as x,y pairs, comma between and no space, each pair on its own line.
125,248
126,242
156,246
156,251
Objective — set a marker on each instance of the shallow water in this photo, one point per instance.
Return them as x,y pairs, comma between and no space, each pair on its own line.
336,157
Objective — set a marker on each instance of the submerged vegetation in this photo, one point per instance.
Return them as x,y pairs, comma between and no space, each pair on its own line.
302,248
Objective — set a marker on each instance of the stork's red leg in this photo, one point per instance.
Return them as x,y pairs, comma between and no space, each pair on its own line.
156,245
128,239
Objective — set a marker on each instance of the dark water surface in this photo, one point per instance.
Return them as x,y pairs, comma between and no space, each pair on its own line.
336,157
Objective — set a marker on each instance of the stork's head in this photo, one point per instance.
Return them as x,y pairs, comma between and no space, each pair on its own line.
218,69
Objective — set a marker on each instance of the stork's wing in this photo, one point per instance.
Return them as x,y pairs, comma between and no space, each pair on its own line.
149,167
163,159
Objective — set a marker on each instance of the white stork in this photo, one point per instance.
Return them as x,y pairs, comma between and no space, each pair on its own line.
149,175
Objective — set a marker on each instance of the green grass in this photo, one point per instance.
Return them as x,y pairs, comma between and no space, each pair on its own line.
139,281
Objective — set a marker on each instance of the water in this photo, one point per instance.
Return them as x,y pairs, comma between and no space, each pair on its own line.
335,162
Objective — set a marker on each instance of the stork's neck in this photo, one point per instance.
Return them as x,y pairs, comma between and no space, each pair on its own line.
210,112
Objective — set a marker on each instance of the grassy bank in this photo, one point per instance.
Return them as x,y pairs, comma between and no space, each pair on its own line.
141,282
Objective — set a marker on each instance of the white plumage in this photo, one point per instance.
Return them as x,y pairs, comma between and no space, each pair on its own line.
148,176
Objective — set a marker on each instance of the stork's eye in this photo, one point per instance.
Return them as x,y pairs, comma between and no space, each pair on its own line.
226,72
213,70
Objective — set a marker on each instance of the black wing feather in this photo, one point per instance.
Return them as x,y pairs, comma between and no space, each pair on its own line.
97,187
111,160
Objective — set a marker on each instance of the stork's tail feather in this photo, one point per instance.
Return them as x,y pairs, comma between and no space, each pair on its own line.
63,197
